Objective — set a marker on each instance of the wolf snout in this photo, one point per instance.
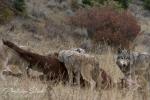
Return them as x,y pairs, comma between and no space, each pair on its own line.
124,65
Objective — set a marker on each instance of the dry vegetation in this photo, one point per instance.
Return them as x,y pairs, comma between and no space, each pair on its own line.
108,25
34,89
46,32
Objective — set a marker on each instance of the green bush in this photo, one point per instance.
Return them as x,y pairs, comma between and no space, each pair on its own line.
93,2
20,6
124,3
147,4
87,2
9,8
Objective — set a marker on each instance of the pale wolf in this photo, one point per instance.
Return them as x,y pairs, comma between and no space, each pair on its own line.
79,63
80,50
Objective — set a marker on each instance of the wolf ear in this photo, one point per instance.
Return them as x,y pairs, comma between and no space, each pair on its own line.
128,51
119,50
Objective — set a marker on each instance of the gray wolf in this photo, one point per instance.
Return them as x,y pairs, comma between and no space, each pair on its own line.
136,66
133,62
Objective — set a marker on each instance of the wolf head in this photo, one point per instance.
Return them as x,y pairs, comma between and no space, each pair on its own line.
79,50
123,60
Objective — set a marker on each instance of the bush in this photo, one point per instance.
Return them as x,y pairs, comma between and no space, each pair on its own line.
106,25
147,4
20,6
124,3
5,15
92,2
9,8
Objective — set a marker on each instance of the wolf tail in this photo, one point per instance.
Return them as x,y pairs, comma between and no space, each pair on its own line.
26,55
13,46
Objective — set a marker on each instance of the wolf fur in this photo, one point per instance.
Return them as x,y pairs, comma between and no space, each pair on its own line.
49,65
85,65
136,66
133,62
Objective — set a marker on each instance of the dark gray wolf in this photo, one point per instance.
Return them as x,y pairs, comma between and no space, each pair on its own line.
135,66
133,62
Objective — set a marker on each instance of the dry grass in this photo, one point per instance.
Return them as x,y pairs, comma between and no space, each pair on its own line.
20,89
27,89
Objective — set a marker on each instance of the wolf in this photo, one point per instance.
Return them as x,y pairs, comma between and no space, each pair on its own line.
132,62
77,63
49,65
134,65
85,66
79,50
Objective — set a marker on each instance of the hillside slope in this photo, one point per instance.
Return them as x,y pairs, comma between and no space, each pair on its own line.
142,42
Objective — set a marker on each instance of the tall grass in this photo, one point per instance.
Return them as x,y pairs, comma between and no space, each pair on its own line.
28,89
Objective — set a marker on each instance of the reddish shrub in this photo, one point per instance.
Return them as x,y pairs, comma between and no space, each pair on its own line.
108,25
